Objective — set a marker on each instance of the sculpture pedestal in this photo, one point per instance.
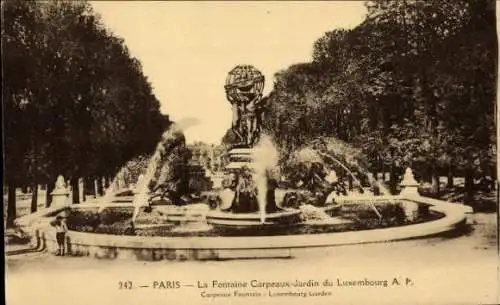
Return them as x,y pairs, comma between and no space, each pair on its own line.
240,167
60,193
241,208
410,190
239,158
227,220
409,185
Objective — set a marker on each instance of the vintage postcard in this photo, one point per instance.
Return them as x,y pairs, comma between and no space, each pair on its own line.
250,152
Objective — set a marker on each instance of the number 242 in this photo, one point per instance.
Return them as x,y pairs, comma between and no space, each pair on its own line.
125,285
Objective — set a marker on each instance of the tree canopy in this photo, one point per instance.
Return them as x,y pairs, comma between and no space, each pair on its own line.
76,102
413,85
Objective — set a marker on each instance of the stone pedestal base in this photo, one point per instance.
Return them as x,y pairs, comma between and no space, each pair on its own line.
240,207
238,158
237,178
60,198
227,220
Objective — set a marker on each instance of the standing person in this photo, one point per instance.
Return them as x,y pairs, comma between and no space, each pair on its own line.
61,229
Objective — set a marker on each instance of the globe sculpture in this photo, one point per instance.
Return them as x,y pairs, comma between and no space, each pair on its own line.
244,85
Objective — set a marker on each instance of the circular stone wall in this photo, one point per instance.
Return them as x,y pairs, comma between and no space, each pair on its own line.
210,248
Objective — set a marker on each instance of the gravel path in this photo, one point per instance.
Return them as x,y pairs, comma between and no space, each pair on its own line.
460,269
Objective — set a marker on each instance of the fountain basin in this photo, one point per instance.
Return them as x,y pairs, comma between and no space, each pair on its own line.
233,247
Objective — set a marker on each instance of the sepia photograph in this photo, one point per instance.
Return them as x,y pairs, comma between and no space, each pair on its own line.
250,152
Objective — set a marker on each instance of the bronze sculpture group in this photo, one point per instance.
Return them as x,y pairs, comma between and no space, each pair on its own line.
244,86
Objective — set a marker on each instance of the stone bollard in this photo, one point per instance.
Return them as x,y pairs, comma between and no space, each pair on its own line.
410,190
409,184
60,192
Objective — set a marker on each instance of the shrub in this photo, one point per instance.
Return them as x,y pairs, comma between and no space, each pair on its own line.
365,217
117,228
111,215
77,219
152,217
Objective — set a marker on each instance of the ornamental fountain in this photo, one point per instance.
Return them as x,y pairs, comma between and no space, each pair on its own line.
248,199
263,219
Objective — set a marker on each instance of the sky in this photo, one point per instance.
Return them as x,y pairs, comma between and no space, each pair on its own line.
187,48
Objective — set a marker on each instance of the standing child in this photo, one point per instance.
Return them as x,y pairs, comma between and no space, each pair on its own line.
61,229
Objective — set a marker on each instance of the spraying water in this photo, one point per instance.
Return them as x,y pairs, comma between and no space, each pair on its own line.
372,205
141,197
265,157
115,185
350,154
342,165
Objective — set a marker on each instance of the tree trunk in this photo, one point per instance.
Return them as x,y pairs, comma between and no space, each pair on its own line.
11,205
450,177
393,179
100,190
75,189
427,174
94,187
34,197
469,185
434,180
90,187
350,182
48,195
84,189
106,182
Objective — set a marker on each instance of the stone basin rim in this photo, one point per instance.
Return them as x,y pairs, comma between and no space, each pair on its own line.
454,215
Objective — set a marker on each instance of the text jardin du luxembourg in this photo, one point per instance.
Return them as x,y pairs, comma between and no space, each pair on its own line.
218,288
303,283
